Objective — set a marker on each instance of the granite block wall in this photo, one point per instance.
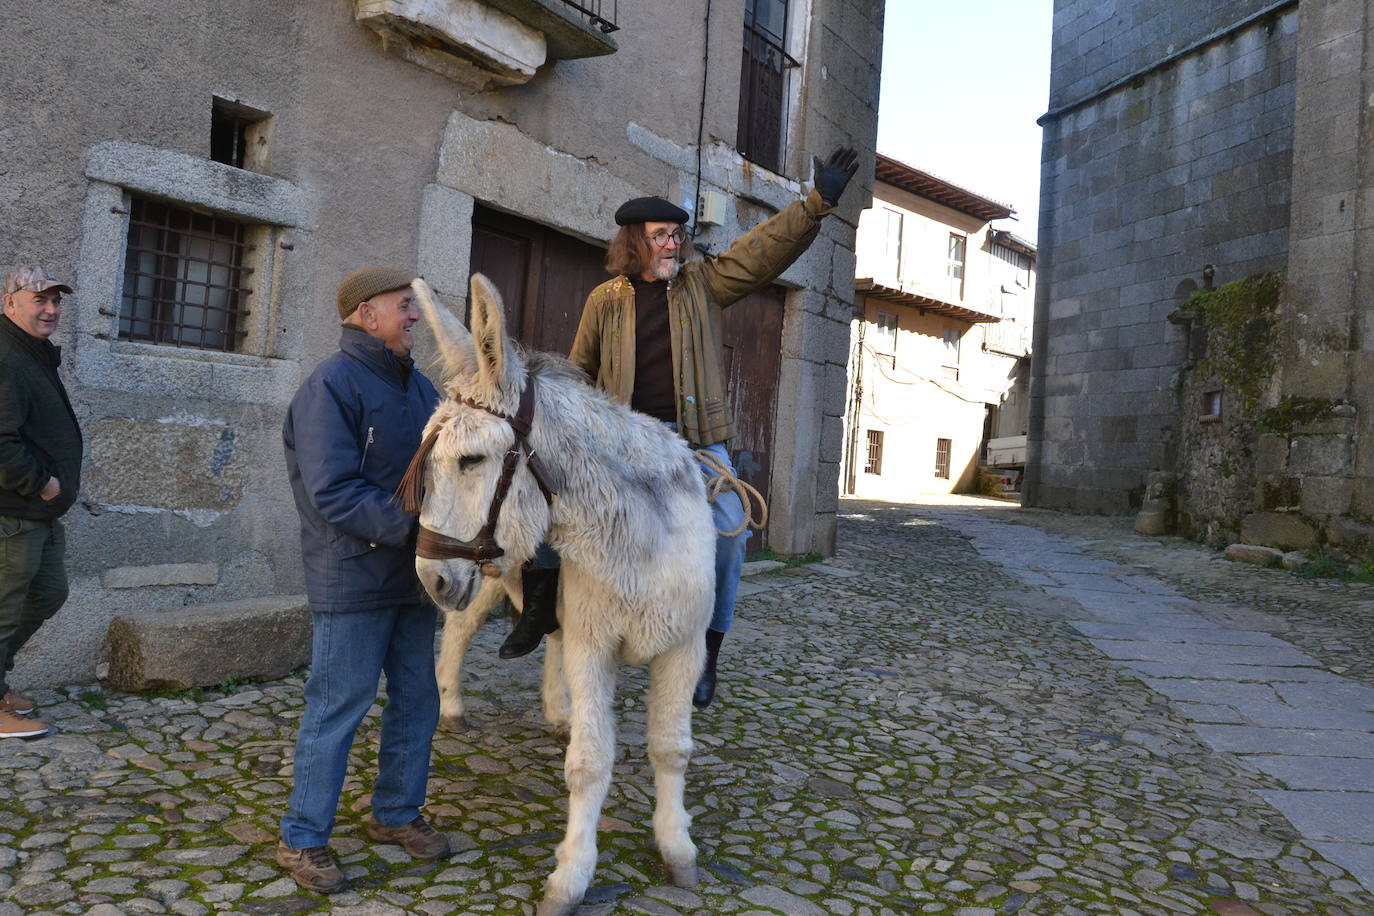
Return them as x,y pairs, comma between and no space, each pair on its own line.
1144,182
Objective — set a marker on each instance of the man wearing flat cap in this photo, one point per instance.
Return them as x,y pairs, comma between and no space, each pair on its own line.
349,435
40,475
651,336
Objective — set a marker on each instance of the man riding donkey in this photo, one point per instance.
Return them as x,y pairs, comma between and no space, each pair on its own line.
651,337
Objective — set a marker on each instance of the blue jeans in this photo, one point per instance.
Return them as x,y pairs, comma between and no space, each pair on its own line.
349,650
728,514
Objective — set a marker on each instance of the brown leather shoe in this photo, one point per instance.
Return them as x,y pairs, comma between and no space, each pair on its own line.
13,702
417,838
12,726
313,868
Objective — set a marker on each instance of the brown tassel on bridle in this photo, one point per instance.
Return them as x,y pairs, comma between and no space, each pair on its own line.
410,492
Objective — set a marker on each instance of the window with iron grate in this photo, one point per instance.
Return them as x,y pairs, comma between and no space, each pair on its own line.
764,71
185,279
874,464
942,449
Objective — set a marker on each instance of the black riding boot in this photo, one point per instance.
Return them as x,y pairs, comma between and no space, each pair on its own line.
540,615
706,685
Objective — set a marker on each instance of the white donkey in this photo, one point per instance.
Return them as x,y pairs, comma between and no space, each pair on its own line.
633,528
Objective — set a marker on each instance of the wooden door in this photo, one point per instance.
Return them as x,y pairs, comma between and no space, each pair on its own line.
544,276
753,353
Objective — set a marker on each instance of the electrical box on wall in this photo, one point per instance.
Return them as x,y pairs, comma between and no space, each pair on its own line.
711,209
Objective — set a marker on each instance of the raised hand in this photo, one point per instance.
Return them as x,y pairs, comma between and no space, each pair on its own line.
832,175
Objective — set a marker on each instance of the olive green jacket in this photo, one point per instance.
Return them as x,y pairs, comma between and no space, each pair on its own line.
605,343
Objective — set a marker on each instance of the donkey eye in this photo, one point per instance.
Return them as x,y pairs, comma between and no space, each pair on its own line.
468,461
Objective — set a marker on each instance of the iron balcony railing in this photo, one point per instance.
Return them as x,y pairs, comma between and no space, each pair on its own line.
762,125
594,12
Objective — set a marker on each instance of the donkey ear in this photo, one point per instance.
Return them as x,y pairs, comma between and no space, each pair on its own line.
455,343
495,358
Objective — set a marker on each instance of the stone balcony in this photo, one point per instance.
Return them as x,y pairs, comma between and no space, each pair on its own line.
487,43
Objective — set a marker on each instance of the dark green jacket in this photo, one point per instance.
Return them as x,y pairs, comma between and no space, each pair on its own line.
39,437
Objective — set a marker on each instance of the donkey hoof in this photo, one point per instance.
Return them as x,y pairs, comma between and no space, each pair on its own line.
453,723
551,907
682,874
562,734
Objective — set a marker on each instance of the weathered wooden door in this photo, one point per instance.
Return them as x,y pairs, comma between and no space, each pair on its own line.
544,276
753,352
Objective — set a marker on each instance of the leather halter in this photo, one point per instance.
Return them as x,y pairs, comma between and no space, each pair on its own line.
483,549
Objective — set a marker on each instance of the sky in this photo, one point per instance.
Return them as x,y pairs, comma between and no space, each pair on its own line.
962,85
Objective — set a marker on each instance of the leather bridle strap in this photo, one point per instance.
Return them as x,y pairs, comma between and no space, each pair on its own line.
483,549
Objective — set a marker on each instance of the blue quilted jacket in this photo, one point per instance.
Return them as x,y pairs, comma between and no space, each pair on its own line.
350,432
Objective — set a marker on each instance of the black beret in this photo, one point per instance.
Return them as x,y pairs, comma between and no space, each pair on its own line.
649,210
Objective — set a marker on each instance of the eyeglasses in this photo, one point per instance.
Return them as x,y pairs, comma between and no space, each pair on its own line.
661,237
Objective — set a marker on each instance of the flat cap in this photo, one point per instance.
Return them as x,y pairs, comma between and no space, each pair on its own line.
35,279
366,282
649,210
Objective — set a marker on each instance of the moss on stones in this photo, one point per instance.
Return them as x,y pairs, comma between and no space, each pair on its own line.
1240,319
1291,413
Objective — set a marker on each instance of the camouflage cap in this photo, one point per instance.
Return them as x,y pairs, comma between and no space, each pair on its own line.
33,278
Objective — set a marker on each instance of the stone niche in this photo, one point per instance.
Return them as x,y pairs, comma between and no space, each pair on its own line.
484,43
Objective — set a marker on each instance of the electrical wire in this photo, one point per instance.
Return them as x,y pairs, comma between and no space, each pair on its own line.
878,363
701,116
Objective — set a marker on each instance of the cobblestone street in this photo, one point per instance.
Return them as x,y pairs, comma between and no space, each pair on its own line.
967,711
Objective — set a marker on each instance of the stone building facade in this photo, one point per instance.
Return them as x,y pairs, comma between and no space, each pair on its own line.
240,156
940,346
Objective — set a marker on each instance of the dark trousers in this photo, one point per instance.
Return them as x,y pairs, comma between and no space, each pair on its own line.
33,583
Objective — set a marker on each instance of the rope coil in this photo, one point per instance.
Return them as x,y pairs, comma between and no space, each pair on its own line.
749,497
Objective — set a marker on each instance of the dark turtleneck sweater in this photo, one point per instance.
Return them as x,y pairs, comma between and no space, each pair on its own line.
654,394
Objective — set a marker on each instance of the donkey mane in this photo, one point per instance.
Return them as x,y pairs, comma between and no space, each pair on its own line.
621,467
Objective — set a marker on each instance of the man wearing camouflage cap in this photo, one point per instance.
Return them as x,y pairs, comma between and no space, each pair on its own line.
40,474
349,435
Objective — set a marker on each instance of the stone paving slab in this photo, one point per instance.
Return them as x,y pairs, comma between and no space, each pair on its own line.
1204,691
1266,674
1096,582
1340,773
1211,654
1212,712
1345,817
1251,739
1162,634
1284,716
1340,695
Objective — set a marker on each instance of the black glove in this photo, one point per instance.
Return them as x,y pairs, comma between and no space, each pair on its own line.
832,175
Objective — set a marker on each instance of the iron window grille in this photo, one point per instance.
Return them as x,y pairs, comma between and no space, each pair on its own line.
942,450
874,464
763,83
594,12
184,277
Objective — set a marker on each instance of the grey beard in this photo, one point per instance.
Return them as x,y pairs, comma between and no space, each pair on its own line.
667,272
